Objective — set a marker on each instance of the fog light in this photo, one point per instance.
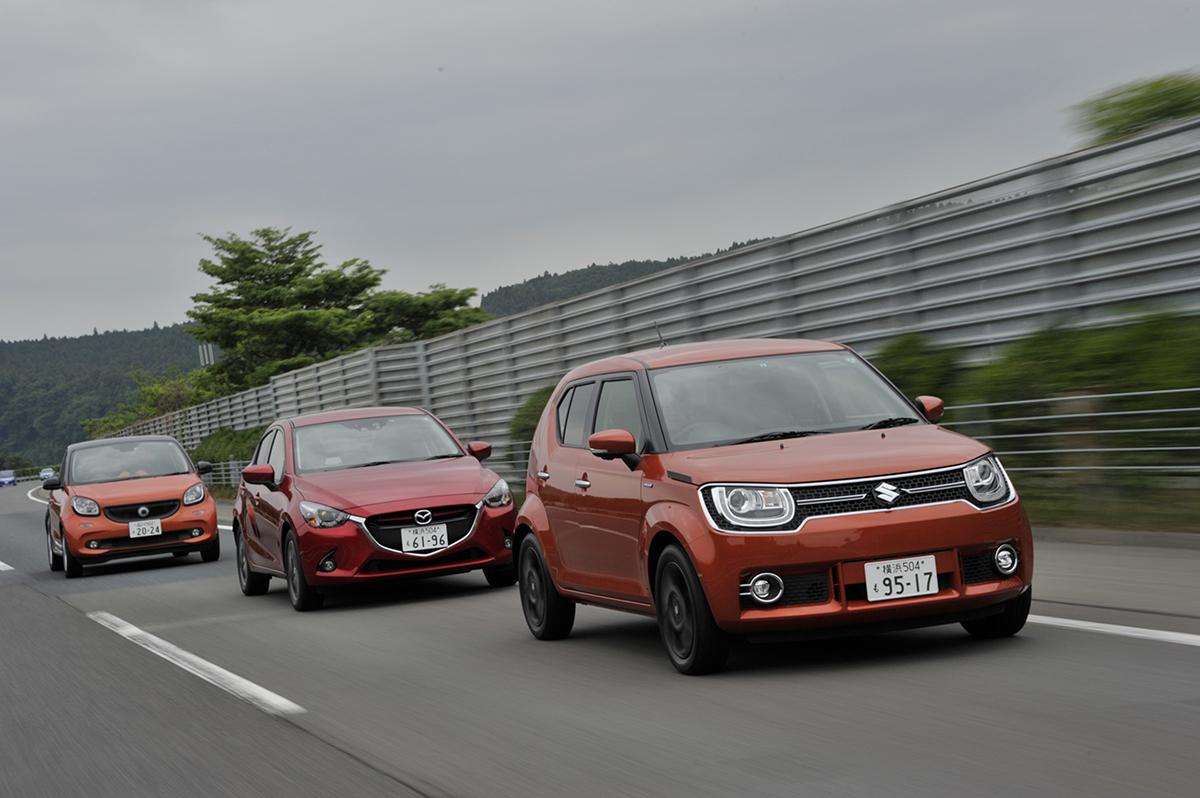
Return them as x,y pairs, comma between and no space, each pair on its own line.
93,544
327,564
1006,560
766,588
508,543
197,533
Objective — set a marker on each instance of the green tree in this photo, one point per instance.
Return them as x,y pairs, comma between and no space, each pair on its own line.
525,420
917,366
156,396
1138,106
277,306
399,316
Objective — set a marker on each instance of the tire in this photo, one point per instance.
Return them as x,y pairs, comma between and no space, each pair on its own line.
695,644
1005,623
56,560
71,566
548,615
251,583
501,575
212,552
303,596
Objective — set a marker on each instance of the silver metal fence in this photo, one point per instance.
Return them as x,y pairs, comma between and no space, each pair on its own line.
1085,239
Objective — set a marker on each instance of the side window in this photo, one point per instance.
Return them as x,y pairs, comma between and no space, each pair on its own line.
276,458
264,448
575,431
560,413
617,408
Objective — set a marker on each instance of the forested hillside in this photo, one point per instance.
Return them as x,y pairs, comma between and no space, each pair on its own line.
553,287
48,386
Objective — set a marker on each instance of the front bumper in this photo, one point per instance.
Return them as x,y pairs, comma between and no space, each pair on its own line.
359,557
827,558
112,540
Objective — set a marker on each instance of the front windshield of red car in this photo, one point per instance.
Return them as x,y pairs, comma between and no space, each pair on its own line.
734,401
361,442
122,460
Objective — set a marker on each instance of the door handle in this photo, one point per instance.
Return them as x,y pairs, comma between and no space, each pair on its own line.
543,475
582,483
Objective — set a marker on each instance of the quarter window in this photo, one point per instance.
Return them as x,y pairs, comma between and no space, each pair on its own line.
564,406
264,448
617,408
276,458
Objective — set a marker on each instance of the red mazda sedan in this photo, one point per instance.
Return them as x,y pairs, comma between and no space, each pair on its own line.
353,496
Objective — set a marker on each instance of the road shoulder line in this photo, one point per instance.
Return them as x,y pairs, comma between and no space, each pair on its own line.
1162,636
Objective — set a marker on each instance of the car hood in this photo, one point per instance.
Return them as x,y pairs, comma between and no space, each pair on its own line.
359,490
819,458
134,491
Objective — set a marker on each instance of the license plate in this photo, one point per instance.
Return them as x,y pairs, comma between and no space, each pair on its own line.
423,538
893,579
145,529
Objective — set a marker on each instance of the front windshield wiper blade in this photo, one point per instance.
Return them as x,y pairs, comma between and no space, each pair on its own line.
778,435
374,463
885,423
444,456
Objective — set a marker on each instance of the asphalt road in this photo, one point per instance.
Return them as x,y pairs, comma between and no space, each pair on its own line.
436,688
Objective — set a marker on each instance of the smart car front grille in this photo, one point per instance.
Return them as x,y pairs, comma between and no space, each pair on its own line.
860,496
458,520
132,543
125,513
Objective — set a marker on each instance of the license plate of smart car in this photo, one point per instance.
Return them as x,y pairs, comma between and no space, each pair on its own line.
423,538
145,529
893,579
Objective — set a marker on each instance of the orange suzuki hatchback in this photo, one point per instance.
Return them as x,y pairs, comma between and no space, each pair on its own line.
760,489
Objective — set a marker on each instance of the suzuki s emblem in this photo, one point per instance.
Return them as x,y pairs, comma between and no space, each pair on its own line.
886,493
143,512
423,517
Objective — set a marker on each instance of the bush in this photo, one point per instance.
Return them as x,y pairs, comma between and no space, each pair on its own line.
228,444
917,366
525,420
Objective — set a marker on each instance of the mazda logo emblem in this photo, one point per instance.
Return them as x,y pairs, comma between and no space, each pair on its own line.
886,493
423,517
143,512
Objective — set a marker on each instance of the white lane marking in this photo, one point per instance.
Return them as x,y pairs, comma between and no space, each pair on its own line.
35,498
6,567
1181,638
228,681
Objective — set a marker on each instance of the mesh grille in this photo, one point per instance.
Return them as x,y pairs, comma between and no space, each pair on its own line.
125,513
980,567
859,496
797,589
386,528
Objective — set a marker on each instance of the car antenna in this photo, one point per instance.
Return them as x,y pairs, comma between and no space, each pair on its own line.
658,332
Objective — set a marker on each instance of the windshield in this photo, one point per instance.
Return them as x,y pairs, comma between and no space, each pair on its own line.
372,441
113,462
7,474
762,398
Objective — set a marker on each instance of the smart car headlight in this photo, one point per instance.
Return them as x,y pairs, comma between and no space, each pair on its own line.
754,506
194,494
322,517
84,506
985,480
499,495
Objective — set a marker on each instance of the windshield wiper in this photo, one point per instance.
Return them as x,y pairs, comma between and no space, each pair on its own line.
444,456
374,463
778,435
885,423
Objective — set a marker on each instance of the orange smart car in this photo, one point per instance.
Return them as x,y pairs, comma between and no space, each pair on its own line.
128,497
763,487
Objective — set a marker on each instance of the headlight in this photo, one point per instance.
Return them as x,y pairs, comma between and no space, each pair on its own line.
194,494
499,495
83,506
322,517
758,506
985,480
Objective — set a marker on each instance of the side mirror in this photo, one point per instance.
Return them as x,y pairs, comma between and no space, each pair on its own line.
931,407
54,483
480,450
259,475
610,444
203,467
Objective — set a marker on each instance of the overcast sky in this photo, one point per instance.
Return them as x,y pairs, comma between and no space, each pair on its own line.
481,143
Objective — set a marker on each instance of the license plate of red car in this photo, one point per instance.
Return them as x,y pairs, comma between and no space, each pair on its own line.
423,538
894,579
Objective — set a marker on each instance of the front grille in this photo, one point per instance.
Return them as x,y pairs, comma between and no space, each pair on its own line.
125,513
980,567
859,496
798,589
129,543
386,528
400,566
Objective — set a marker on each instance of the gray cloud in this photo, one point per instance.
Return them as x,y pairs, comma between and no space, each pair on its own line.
479,143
